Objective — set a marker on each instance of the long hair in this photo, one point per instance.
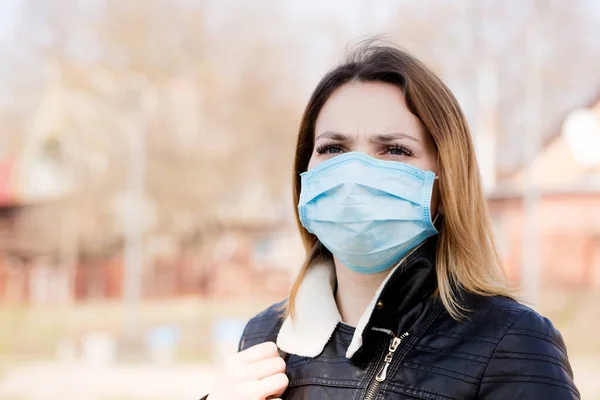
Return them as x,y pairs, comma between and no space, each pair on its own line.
466,259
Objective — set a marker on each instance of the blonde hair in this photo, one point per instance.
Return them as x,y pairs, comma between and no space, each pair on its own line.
466,259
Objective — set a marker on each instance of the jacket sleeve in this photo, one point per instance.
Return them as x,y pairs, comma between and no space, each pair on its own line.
530,362
242,342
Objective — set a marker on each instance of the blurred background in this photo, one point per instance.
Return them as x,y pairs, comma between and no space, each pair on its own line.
146,153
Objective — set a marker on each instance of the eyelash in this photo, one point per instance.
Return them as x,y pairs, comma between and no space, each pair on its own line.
401,149
325,147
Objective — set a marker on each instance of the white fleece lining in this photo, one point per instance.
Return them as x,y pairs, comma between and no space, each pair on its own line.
316,314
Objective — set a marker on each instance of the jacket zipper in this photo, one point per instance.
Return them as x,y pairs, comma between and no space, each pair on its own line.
382,374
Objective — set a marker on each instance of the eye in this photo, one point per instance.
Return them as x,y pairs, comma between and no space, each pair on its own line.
329,149
398,150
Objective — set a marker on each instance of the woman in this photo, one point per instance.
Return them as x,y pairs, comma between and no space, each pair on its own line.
401,295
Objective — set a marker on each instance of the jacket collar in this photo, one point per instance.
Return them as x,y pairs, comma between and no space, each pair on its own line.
317,316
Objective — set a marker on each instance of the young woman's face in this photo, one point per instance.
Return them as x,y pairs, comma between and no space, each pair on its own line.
372,118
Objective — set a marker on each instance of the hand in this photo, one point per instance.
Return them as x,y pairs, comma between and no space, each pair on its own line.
257,373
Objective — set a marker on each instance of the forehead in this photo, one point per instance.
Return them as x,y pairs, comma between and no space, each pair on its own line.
367,108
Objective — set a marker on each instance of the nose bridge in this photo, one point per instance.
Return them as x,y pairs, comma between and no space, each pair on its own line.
361,143
355,171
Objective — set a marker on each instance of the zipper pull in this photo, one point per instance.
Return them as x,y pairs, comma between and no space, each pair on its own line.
388,358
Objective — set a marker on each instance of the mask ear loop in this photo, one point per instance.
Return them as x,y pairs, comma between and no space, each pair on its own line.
435,219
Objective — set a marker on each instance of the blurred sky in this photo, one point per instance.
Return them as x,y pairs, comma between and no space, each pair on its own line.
9,18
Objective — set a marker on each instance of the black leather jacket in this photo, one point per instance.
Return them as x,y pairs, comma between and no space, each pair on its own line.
503,350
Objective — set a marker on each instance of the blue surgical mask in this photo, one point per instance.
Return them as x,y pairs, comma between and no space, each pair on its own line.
369,213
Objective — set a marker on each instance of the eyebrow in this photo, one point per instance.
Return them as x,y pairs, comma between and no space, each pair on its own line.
338,137
381,138
391,137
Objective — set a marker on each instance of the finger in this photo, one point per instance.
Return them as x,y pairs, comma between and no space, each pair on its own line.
258,352
280,392
265,368
273,385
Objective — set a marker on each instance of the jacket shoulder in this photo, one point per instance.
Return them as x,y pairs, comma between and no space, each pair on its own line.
526,330
527,323
262,325
530,358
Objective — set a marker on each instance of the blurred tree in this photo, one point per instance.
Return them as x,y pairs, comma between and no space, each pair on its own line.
209,134
453,37
222,81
